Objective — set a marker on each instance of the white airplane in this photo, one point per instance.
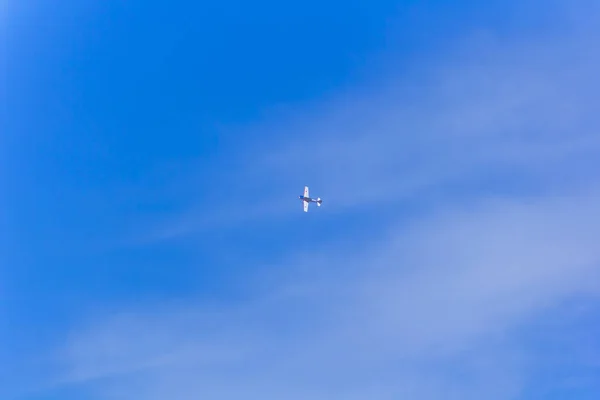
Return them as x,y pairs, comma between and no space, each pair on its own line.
306,200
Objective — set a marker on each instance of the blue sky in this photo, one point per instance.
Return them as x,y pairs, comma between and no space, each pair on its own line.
153,245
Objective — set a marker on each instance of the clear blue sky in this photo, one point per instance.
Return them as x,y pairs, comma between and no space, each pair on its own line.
153,245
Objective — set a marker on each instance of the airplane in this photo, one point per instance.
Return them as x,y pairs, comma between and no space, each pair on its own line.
306,200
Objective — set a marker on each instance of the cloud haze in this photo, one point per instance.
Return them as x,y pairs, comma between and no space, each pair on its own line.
518,115
384,329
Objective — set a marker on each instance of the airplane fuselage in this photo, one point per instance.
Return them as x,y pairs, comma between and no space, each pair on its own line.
309,199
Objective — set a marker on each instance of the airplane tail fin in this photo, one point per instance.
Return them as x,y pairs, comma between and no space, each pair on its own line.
319,201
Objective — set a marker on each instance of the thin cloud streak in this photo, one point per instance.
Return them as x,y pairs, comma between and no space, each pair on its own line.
521,112
480,117
474,277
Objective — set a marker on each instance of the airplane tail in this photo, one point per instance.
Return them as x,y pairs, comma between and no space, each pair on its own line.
319,201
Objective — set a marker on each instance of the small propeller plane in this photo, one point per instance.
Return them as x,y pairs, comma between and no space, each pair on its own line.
306,199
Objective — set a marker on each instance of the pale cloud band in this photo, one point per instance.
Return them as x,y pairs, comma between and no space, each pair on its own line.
474,278
518,112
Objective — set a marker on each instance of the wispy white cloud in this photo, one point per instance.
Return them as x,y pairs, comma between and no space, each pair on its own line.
492,114
519,112
432,310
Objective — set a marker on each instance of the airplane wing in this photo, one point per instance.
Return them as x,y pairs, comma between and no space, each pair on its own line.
305,206
305,191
